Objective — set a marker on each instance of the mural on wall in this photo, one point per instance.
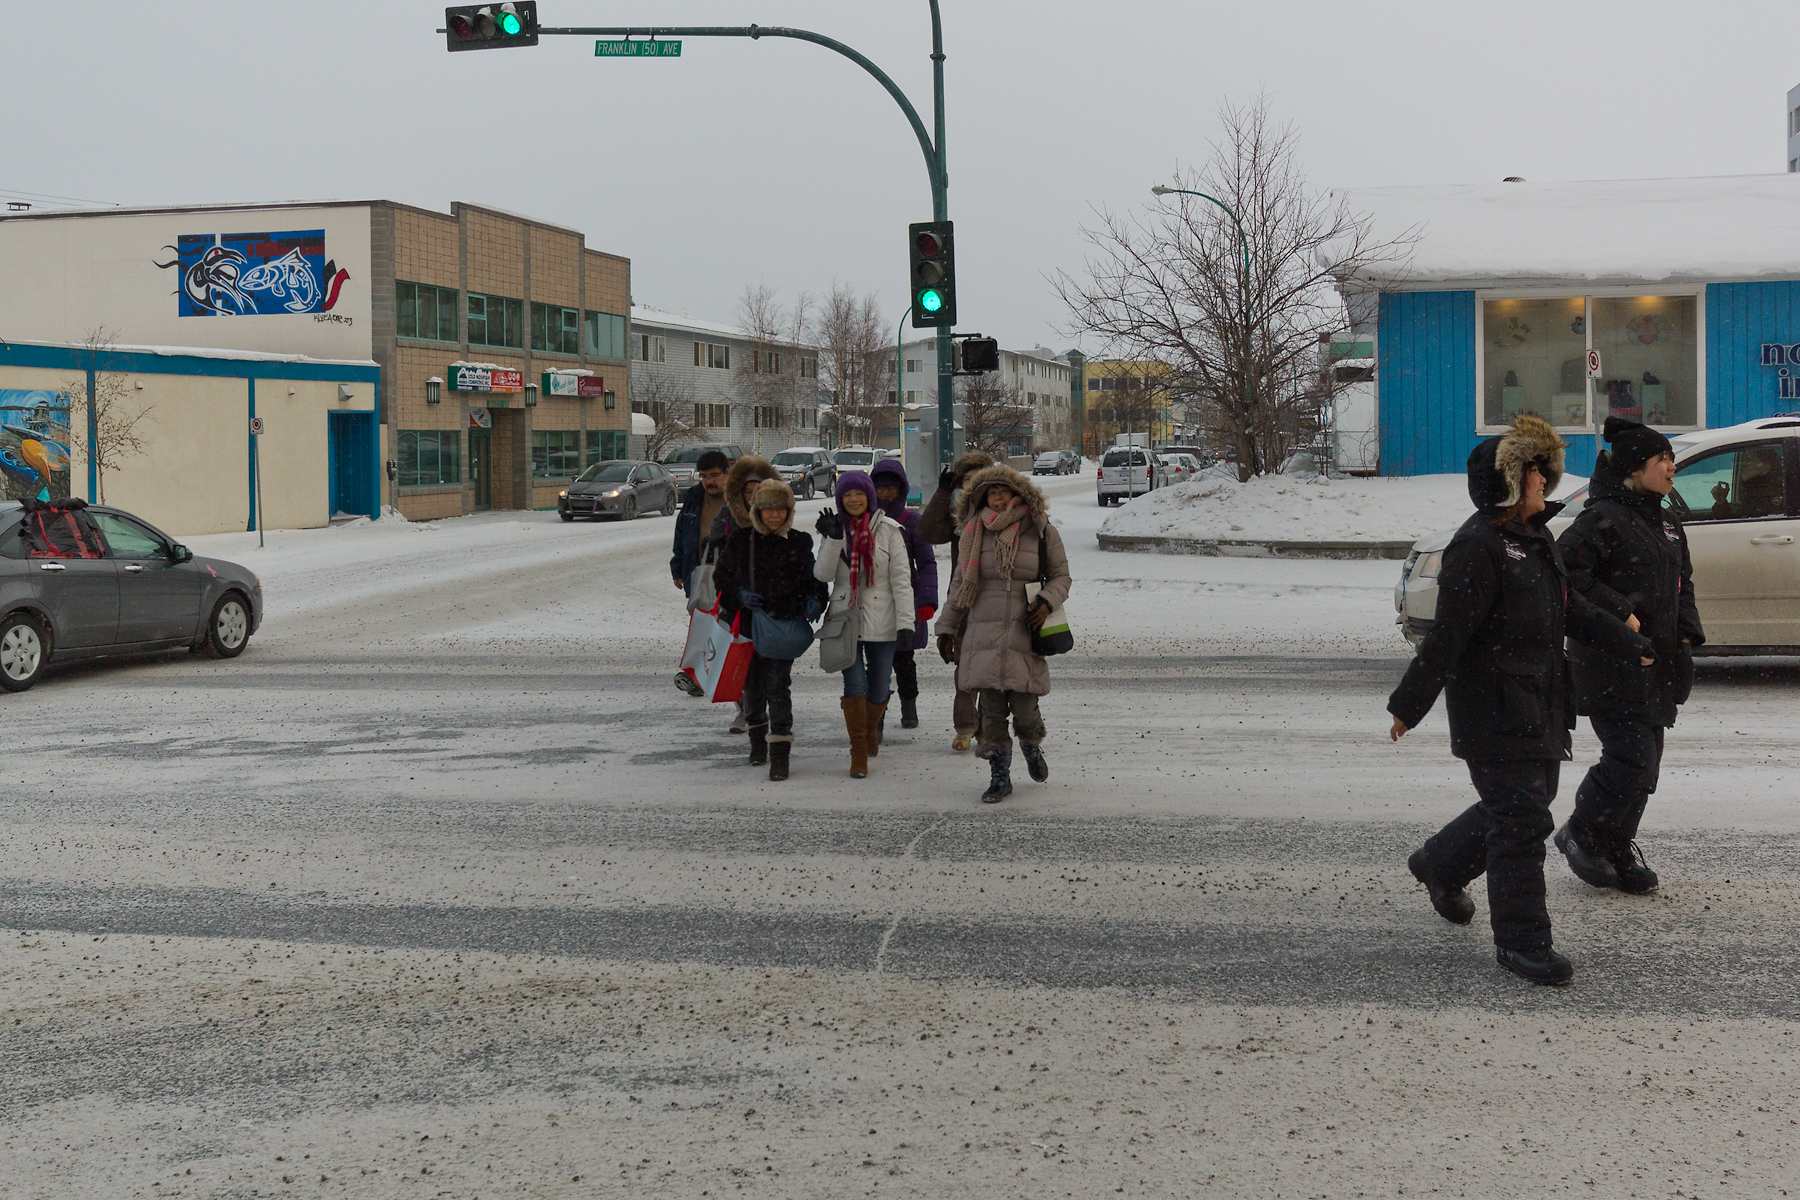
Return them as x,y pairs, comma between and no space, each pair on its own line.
34,445
254,274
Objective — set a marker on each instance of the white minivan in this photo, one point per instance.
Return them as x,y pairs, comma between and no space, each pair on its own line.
1125,473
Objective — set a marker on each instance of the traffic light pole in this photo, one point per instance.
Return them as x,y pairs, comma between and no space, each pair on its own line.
933,148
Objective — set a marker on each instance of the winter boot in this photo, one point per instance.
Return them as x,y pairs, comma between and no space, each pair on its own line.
909,711
741,722
856,716
759,745
1453,905
778,758
1587,864
1539,966
1000,766
1035,762
962,741
686,683
1635,876
877,715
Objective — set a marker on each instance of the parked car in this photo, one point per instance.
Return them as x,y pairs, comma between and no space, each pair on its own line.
680,464
1178,468
1056,462
1126,473
620,488
103,582
807,469
854,458
1736,498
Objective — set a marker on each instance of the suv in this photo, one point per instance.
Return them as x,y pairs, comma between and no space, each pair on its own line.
1125,473
1056,462
807,469
855,458
680,465
1735,495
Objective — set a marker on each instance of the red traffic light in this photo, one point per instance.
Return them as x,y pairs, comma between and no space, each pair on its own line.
461,26
928,245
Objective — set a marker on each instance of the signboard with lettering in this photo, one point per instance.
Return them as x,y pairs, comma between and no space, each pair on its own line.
567,383
637,49
480,418
466,377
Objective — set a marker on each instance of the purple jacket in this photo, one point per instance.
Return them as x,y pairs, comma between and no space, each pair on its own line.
922,557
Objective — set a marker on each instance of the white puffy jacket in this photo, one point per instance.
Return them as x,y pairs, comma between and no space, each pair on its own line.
884,606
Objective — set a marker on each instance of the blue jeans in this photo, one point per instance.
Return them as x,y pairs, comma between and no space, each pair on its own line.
872,673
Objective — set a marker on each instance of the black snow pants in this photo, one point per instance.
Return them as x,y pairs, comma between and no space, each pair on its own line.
1503,834
906,675
769,696
1610,801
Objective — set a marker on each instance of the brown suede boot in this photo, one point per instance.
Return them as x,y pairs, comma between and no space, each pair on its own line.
856,718
876,712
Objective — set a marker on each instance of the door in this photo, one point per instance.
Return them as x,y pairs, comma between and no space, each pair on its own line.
82,597
480,449
352,452
1744,539
159,599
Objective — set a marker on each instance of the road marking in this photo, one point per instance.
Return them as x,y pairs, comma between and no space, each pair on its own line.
906,855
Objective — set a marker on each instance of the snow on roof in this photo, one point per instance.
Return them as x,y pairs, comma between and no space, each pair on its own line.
1625,231
656,318
210,352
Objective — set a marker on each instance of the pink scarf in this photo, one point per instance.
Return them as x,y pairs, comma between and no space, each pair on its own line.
859,532
1004,525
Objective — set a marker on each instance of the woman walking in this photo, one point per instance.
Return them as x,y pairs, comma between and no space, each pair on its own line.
766,567
1496,648
1005,542
864,558
891,487
937,527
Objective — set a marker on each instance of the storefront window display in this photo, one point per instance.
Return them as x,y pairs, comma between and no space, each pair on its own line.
1534,359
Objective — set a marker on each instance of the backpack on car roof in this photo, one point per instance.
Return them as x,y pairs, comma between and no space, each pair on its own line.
60,529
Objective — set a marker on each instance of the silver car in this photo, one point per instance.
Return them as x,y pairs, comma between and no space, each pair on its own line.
118,585
1736,497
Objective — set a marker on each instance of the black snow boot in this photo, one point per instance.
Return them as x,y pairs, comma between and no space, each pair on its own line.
759,745
1584,862
1035,762
1000,764
909,711
778,759
1635,876
1539,966
1452,904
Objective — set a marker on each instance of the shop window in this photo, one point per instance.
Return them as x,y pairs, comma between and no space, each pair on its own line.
1534,360
606,337
1650,349
496,321
604,445
555,329
430,457
555,453
422,310
1743,483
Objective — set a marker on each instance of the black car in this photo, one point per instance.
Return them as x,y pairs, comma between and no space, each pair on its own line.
83,582
807,469
619,488
1056,462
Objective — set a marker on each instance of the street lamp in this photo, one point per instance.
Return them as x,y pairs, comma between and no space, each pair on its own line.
1243,287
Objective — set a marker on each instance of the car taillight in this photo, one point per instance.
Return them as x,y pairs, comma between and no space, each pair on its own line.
1100,474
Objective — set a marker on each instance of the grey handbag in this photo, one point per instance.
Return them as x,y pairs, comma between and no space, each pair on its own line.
837,640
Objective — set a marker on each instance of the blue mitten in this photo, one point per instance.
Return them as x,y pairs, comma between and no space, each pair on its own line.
750,600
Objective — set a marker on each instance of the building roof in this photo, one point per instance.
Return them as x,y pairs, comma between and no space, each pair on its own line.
88,210
201,352
656,318
1620,231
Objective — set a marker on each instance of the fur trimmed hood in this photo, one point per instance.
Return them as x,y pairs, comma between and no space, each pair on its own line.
1497,465
974,496
742,471
772,493
974,460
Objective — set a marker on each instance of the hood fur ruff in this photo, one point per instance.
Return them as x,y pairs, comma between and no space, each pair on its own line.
1497,467
772,493
974,498
974,460
742,471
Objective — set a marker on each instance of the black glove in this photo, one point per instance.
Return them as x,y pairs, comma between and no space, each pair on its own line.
750,600
946,480
828,524
946,645
815,608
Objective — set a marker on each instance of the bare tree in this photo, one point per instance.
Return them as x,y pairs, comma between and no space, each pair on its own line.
856,359
1170,283
994,414
667,398
763,320
112,415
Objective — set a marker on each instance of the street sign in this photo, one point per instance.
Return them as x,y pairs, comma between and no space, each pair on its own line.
638,49
256,426
1593,364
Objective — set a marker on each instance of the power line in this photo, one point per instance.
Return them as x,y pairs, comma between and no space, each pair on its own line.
48,196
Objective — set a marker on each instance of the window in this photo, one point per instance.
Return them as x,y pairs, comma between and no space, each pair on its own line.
1534,359
606,336
712,354
128,539
809,366
496,321
430,457
767,362
1739,484
555,453
712,416
424,311
648,347
555,329
606,444
770,416
1093,385
912,364
912,395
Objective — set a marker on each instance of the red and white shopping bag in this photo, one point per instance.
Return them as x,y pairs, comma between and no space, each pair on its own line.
700,621
724,659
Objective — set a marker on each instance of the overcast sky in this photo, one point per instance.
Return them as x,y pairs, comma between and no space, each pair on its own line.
778,162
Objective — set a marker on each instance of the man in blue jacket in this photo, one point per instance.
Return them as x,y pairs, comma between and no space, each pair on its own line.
698,508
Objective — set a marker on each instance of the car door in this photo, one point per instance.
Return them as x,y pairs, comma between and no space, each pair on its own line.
82,597
159,598
1744,538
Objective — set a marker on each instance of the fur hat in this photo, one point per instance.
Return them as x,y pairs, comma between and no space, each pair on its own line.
1497,465
1001,475
743,471
1633,444
974,460
772,493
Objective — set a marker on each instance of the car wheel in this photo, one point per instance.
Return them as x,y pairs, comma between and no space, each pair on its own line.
808,485
629,512
567,516
228,629
23,651
668,508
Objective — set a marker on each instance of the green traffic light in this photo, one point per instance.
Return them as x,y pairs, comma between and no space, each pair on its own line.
509,24
931,300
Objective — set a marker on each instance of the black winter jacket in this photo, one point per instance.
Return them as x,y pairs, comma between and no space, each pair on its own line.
1496,646
1628,555
779,569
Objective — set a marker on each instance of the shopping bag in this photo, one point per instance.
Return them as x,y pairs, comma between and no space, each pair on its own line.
700,621
724,661
702,595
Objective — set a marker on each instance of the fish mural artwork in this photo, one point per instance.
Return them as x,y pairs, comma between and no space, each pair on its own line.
34,445
254,274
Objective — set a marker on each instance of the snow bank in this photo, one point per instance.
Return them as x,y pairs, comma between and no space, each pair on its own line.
1288,509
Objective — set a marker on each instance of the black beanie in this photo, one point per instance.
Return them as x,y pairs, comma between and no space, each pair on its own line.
1633,444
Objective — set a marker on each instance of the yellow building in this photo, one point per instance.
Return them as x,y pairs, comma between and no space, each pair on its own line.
1125,396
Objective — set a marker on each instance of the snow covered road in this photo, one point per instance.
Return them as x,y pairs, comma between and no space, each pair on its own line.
443,888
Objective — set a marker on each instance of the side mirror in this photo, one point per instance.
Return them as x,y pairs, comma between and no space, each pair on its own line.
183,554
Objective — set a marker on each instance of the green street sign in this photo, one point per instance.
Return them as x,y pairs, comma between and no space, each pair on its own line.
639,49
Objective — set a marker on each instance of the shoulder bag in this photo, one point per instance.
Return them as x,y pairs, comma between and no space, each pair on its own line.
1054,637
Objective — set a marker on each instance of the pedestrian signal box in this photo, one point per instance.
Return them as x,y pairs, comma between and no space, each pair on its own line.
491,26
979,356
931,245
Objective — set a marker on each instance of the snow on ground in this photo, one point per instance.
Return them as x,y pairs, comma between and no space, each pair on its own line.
1296,509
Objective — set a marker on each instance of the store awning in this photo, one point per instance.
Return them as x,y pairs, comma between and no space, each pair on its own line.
642,425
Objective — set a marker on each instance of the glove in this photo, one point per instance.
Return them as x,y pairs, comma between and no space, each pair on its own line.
926,612
1039,613
815,608
947,647
828,524
946,480
750,600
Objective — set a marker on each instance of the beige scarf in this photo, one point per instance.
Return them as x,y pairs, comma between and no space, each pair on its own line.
1004,525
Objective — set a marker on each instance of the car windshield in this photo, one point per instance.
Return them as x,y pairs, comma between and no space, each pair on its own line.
855,458
1049,456
690,455
792,458
606,472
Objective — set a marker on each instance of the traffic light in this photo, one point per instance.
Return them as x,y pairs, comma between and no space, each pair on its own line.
491,26
932,245
980,355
